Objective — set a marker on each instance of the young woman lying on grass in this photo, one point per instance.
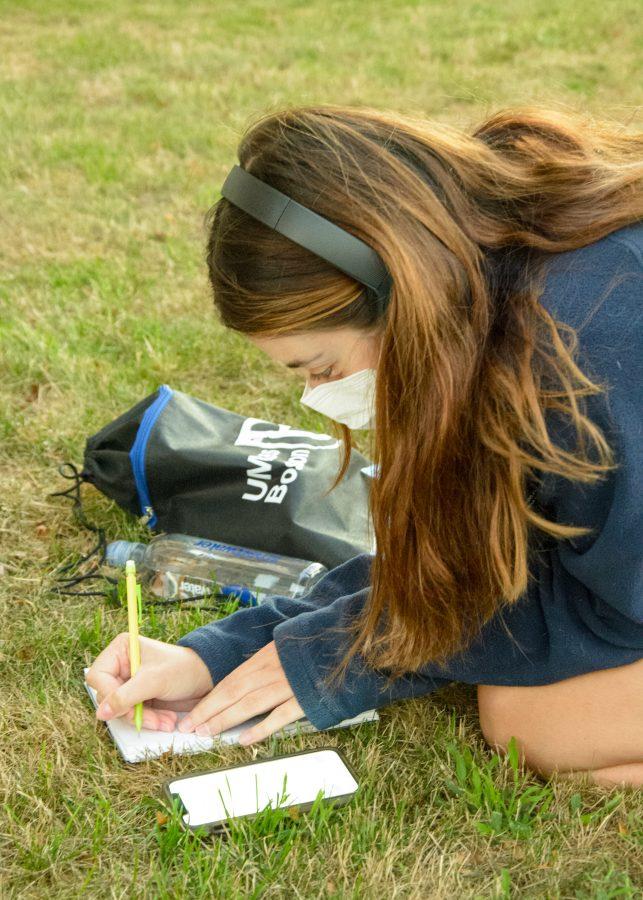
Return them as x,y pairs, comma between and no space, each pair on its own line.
507,369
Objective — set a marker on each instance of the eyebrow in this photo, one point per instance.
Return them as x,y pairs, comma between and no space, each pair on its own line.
297,364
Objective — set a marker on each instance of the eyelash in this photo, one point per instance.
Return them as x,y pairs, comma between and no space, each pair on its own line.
325,374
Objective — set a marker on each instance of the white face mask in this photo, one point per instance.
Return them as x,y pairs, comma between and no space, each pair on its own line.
350,400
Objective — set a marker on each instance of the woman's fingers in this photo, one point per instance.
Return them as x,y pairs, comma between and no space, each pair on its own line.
110,668
104,684
233,701
155,719
262,668
169,679
219,698
176,705
142,686
255,702
283,715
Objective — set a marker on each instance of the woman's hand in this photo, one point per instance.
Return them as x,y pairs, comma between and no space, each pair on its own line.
169,678
256,686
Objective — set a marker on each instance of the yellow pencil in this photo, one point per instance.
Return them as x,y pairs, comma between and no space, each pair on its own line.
133,614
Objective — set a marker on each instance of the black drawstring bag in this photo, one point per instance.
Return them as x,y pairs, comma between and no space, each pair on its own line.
186,466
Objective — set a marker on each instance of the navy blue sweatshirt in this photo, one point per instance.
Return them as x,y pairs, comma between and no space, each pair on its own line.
583,608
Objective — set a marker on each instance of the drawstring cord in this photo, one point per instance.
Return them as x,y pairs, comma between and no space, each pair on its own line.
73,493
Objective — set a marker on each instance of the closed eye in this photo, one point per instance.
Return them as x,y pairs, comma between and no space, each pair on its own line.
325,374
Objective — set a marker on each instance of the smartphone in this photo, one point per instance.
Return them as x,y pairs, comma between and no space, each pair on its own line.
208,799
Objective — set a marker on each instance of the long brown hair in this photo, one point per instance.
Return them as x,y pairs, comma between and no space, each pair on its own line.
470,362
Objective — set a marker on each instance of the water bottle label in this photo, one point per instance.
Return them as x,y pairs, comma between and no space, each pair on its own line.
191,589
176,587
180,587
239,552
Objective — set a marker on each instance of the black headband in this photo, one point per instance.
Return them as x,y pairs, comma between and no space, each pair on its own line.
310,230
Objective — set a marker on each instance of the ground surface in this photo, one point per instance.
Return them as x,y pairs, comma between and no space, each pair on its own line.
119,122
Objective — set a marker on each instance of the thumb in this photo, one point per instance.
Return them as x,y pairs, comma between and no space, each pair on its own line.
142,686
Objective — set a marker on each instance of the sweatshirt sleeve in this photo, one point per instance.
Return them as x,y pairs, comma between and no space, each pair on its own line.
225,643
311,639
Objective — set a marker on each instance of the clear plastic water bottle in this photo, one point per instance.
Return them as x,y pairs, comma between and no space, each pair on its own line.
179,566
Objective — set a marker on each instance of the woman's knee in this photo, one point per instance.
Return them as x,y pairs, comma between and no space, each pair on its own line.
584,723
496,711
504,714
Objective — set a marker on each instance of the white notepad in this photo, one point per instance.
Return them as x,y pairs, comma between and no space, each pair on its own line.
137,746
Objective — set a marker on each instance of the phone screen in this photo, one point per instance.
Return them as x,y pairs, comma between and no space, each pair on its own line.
209,798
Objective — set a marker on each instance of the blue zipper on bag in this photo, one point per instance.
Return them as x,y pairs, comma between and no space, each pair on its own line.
137,452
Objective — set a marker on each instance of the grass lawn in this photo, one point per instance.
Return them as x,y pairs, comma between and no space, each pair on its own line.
119,122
